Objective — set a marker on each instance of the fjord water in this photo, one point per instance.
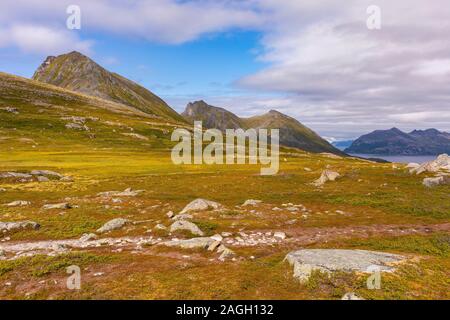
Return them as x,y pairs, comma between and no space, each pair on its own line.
398,158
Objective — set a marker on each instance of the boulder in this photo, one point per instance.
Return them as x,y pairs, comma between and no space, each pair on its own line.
15,175
351,296
280,235
327,175
113,225
251,202
200,205
213,246
46,173
436,181
17,226
170,214
88,237
194,243
43,179
126,193
182,217
60,206
186,225
226,253
329,260
442,162
18,203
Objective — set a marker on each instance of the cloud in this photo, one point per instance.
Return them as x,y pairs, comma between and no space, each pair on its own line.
166,21
43,40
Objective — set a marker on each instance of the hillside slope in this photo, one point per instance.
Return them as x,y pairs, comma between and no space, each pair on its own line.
292,132
76,72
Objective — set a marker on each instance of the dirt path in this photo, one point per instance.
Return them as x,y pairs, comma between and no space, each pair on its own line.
297,236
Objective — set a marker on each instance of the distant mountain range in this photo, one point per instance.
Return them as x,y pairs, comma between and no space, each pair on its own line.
397,142
292,132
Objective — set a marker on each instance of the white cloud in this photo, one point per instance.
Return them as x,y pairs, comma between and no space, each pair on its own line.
43,40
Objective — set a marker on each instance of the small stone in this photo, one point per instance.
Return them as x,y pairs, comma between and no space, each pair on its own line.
170,214
201,205
60,206
251,202
88,237
351,296
214,245
113,225
186,225
280,235
18,203
217,237
160,226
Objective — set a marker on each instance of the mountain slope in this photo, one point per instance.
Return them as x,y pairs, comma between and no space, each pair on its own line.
212,117
397,142
76,72
292,132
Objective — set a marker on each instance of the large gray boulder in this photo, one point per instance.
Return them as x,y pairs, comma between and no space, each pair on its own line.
113,225
46,173
17,226
436,181
186,225
194,243
441,163
201,205
306,261
327,175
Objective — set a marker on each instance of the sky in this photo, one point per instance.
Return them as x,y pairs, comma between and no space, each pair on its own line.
315,60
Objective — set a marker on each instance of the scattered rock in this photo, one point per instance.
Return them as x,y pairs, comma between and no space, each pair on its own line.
60,206
351,296
442,162
186,225
15,175
43,179
18,203
16,226
214,245
433,182
251,202
194,243
217,237
170,214
76,126
327,175
126,193
11,110
329,260
200,205
182,217
225,253
160,226
46,173
280,235
113,225
88,237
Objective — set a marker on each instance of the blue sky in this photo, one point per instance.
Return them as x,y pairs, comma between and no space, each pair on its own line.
314,60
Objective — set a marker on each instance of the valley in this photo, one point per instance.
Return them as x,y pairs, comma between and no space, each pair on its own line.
87,180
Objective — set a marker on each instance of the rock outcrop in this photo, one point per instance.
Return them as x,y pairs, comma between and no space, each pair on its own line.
329,260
